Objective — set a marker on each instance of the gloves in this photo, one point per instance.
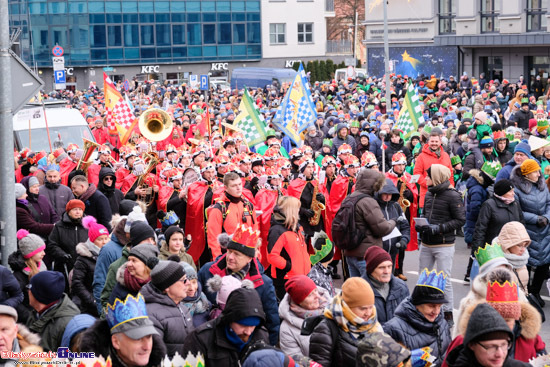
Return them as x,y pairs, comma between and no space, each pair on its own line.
320,197
434,229
401,220
116,150
420,229
254,182
542,222
66,258
401,244
187,242
308,213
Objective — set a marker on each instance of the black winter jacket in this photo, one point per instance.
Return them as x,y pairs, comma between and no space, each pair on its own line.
444,206
98,206
464,357
63,240
328,353
494,214
112,194
82,280
18,265
394,148
392,210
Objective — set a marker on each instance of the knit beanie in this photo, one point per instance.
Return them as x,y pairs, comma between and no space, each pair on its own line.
299,287
75,203
462,129
33,181
188,269
484,322
19,190
139,232
136,215
486,142
228,284
532,124
165,273
528,166
375,256
356,292
29,244
47,286
94,229
504,298
523,148
171,231
144,252
502,187
481,116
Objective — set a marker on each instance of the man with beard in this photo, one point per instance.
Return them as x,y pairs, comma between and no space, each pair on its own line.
199,196
58,195
342,137
107,186
96,203
103,160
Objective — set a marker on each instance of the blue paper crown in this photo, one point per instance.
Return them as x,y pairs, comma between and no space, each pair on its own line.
433,279
132,308
169,219
422,357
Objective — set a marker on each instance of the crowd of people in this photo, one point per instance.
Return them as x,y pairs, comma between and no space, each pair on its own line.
200,244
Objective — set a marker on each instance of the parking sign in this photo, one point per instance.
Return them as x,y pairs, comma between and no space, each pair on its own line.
59,76
204,82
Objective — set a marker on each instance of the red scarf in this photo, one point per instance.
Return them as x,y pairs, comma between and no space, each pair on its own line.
132,283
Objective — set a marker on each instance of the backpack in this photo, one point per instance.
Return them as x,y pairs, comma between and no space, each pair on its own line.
345,234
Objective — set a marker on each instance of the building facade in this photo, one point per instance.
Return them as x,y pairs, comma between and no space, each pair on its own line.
501,38
166,39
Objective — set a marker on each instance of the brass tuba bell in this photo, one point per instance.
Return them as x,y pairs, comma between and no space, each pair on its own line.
155,124
85,161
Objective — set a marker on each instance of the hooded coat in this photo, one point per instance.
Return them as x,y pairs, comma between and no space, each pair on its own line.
338,140
172,321
114,195
534,200
393,148
476,195
369,218
65,236
513,234
40,206
410,328
392,210
83,277
211,338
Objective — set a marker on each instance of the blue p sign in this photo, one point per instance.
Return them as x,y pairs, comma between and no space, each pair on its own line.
204,82
59,76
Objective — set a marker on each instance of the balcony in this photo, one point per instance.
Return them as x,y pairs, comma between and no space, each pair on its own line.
329,8
339,47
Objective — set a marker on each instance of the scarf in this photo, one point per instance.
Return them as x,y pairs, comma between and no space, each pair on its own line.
232,198
93,248
234,338
382,288
132,283
197,303
91,190
437,152
241,274
517,261
339,311
23,201
506,201
303,313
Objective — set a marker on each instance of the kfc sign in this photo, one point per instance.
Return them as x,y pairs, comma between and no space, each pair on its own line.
218,66
148,69
290,63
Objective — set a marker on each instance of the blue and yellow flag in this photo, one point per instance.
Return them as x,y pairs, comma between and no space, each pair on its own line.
297,110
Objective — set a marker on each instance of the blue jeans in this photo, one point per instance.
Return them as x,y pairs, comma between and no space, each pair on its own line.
357,267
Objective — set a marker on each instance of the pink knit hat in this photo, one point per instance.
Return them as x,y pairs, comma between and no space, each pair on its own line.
94,229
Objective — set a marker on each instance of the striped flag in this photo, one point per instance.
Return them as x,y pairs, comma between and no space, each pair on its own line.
411,113
120,116
249,123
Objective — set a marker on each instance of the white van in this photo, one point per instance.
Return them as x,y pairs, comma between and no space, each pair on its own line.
66,125
340,74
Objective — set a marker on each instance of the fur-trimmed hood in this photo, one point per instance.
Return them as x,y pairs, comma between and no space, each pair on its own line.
370,181
523,184
530,319
26,338
120,274
476,174
83,249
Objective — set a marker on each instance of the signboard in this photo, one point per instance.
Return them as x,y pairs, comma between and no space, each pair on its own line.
58,62
24,82
108,69
193,81
204,82
350,61
57,51
30,114
59,79
350,72
363,99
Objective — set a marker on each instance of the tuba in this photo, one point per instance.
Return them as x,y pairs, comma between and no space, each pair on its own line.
155,124
403,203
143,183
84,161
316,206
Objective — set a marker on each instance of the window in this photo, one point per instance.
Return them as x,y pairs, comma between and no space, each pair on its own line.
447,14
305,32
490,10
277,33
536,15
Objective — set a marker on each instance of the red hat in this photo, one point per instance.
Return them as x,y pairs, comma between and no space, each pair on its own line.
299,287
375,256
421,83
75,203
532,123
94,229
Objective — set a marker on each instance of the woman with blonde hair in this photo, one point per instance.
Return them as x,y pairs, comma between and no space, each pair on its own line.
286,245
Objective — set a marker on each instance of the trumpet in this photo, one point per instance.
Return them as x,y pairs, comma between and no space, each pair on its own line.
403,203
84,161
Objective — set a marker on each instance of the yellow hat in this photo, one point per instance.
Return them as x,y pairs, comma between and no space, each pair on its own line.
356,292
528,166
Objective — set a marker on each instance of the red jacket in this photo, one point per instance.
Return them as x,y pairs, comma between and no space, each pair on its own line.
288,253
265,202
425,161
101,135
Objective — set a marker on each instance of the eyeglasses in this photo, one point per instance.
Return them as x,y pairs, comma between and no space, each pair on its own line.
495,348
108,178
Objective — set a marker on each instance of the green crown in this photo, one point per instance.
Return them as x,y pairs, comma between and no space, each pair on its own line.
525,100
491,168
455,159
327,142
542,123
355,124
488,253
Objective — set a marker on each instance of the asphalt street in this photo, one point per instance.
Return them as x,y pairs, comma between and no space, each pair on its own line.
460,289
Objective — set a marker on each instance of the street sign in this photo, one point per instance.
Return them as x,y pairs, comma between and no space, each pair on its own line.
204,82
126,85
363,99
58,62
108,69
59,79
24,82
57,51
193,81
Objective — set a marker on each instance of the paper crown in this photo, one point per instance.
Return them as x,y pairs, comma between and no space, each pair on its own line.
355,123
432,279
487,253
344,148
322,252
525,101
399,158
502,292
246,235
178,361
498,135
169,219
133,308
368,159
328,160
541,361
351,161
491,168
455,159
542,123
327,142
422,357
272,172
304,161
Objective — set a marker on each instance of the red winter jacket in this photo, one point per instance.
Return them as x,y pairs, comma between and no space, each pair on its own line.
425,161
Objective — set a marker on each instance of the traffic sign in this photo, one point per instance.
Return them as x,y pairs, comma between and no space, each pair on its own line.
350,72
24,82
58,63
363,99
57,51
126,85
59,77
193,81
204,82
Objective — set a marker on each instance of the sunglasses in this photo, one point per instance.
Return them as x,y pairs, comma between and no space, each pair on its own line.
184,281
108,178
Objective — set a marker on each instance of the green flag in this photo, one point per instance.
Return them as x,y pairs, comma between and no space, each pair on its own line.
249,123
411,113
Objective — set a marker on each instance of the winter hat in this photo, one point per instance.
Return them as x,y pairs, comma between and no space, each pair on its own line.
189,271
224,286
139,232
33,181
29,244
75,203
374,256
126,207
76,325
490,257
164,273
455,159
504,298
47,286
502,187
20,190
299,287
481,116
486,142
144,252
9,311
486,323
528,166
357,292
523,148
462,129
380,350
532,124
136,215
244,240
94,229
171,231
430,288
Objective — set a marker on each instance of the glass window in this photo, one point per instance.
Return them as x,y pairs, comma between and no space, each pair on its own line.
195,51
178,18
305,32
112,7
179,52
163,34
447,15
59,35
162,18
131,35
224,33
40,8
178,34
57,7
253,6
490,10
131,53
209,51
145,6
147,35
129,7
237,6
114,54
193,6
114,35
97,18
114,18
79,36
80,55
254,50
194,34
224,50
239,17
253,17
239,33
96,7
147,18
254,32
162,6
208,6
99,54
177,6
277,33
208,17
164,52
223,6
147,53
130,18
98,36
78,7
209,33
536,15
239,50
224,17
193,17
